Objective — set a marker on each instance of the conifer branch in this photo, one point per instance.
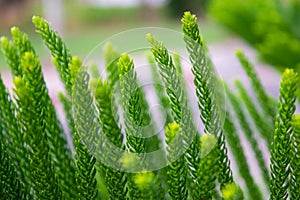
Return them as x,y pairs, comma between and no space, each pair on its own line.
59,51
135,114
111,62
11,186
295,159
254,191
130,94
11,55
176,170
159,89
13,138
21,41
204,81
32,116
267,104
85,140
240,115
59,148
263,127
179,109
208,166
115,179
281,145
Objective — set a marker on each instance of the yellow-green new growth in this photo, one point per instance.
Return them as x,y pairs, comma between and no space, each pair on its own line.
111,58
125,64
74,68
11,56
171,131
232,191
144,180
31,101
208,143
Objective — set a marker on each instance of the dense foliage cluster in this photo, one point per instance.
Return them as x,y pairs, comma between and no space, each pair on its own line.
38,162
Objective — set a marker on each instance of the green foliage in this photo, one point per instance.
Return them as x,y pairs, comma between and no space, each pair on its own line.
266,103
159,89
238,152
85,136
133,118
264,128
176,171
244,124
209,166
36,161
272,27
204,81
179,108
32,117
281,146
11,187
115,179
60,53
111,59
11,55
295,159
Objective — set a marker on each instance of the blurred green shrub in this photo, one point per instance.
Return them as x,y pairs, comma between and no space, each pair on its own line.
272,27
177,7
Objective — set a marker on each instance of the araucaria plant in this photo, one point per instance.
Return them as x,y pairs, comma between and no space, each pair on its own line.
107,160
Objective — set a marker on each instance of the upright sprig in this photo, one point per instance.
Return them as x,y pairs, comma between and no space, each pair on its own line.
176,170
11,55
86,127
131,102
115,179
13,138
111,61
267,104
264,127
254,191
59,51
179,109
59,148
133,118
204,81
208,166
159,89
244,124
295,159
281,145
32,116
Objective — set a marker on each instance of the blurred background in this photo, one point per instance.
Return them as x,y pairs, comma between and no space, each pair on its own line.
85,23
267,30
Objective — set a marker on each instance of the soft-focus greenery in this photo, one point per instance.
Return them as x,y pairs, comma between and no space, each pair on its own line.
176,7
37,162
272,27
